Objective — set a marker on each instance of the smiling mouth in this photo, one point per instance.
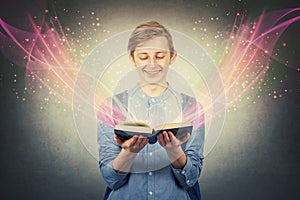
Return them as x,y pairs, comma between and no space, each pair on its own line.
152,72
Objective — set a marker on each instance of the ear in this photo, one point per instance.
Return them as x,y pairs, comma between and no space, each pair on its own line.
131,58
173,57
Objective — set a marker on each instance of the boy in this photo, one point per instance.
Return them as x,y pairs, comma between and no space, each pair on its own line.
169,168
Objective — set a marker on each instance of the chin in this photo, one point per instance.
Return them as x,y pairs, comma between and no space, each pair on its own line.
154,81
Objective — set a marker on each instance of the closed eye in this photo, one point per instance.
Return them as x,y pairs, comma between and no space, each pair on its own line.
160,57
143,57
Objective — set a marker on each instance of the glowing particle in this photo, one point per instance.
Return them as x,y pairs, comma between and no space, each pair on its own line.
194,28
284,44
46,10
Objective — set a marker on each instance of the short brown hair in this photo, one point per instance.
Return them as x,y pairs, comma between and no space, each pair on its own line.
146,32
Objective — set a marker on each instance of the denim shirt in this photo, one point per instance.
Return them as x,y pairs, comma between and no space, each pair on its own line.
152,176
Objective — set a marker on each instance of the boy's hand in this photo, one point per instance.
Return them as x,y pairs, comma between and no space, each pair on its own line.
134,144
167,140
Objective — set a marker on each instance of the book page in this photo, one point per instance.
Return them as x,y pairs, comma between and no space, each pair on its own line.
172,125
136,127
137,123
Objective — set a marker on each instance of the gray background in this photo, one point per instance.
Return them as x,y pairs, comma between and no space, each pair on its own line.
256,157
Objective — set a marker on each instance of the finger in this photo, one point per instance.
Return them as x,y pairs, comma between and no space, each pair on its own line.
131,141
144,142
118,140
161,140
140,143
140,140
166,136
171,136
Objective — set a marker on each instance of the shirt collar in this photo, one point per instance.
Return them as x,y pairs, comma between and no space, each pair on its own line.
138,92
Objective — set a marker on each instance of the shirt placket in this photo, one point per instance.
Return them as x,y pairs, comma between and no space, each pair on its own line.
151,181
151,177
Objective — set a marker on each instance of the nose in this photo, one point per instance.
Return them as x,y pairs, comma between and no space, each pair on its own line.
152,60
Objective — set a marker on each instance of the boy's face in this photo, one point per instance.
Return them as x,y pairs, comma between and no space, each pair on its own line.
152,60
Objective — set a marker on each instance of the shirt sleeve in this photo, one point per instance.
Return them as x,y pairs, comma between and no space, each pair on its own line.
190,173
194,147
108,150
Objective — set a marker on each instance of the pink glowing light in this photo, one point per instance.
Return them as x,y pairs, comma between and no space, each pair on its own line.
250,51
49,58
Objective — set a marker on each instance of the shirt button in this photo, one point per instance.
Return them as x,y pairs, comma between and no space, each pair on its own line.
150,173
187,181
150,193
152,99
150,154
182,172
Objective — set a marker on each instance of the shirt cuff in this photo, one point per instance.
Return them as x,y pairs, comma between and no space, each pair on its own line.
186,175
110,174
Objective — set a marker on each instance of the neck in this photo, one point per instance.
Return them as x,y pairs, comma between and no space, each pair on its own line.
155,89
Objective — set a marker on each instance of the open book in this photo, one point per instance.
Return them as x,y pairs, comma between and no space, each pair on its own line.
125,130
